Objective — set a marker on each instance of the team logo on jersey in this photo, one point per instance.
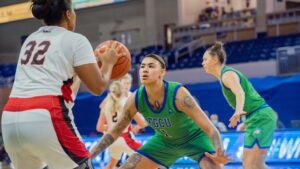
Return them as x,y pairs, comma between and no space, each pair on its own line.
159,122
256,132
46,31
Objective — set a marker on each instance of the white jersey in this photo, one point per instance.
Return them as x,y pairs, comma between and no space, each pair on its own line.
113,117
45,81
47,60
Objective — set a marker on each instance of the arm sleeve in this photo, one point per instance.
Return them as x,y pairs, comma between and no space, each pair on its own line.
82,52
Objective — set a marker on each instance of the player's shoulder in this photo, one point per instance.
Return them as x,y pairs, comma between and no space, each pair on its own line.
32,35
75,36
228,76
173,83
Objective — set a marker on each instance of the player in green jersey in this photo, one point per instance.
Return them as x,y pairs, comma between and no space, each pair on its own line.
181,127
241,95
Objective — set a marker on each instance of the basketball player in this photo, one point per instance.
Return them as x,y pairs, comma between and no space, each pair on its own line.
241,95
181,127
37,121
111,109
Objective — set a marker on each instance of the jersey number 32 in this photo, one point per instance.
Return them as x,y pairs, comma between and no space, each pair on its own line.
38,56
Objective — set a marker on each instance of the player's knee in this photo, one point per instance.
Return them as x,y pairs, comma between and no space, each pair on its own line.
110,165
261,165
247,163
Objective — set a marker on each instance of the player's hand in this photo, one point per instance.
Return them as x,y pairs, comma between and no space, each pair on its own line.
219,157
109,54
235,119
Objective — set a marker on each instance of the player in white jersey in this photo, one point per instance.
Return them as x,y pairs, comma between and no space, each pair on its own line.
111,111
37,121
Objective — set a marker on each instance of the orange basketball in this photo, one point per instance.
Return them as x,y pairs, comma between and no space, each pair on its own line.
123,65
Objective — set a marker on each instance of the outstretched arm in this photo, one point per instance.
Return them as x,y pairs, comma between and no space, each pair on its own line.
187,104
232,81
112,134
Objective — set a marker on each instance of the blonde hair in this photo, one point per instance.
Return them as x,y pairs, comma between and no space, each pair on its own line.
218,50
127,77
113,99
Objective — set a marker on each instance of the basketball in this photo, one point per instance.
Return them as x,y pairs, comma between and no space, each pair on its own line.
123,65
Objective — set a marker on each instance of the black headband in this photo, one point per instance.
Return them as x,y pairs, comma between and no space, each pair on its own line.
158,58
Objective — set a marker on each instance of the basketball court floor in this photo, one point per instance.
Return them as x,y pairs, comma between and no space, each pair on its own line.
238,166
231,166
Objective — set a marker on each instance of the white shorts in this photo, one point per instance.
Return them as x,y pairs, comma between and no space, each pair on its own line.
40,131
119,147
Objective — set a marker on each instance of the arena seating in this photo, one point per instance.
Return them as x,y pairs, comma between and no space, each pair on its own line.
7,73
237,52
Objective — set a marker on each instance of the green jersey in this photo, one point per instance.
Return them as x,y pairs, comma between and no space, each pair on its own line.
260,125
253,100
168,122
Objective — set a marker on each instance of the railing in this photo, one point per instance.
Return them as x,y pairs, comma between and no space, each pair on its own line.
187,49
284,17
229,22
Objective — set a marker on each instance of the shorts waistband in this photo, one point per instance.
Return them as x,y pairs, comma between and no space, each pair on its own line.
15,104
265,105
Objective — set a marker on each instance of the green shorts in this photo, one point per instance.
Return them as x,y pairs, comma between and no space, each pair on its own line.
165,153
260,127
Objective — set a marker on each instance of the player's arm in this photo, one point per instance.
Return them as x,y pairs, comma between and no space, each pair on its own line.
76,84
97,79
232,81
107,139
187,104
140,122
102,123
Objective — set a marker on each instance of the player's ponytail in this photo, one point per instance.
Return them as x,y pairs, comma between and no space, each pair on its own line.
114,97
218,50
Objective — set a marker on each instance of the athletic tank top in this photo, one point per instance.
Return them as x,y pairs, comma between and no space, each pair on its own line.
253,100
168,122
46,63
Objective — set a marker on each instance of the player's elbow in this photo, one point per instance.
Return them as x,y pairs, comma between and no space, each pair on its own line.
241,93
97,90
143,125
212,131
98,86
100,129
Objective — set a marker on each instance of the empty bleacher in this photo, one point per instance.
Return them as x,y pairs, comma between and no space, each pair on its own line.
7,73
237,52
